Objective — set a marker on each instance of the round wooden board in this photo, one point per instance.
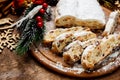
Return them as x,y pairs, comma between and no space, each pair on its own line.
56,63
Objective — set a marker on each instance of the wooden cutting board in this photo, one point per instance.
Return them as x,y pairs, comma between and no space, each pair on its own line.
56,63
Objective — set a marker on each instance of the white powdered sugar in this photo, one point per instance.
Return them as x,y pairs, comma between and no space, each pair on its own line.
81,33
111,64
115,54
93,41
82,10
73,43
87,49
63,35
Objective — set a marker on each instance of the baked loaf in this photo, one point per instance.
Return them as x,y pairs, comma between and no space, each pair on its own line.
64,14
61,41
93,41
52,34
79,12
84,35
64,39
73,52
95,53
111,23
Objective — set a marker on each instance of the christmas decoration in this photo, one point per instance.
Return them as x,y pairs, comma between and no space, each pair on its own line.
42,11
39,18
5,21
31,26
7,39
45,5
40,24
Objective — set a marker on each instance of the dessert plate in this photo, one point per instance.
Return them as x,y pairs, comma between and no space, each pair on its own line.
54,62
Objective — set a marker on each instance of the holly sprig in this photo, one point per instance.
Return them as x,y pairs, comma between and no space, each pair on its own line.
32,30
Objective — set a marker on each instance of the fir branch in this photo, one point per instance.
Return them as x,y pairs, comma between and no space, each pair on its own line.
22,26
26,39
29,30
30,34
39,32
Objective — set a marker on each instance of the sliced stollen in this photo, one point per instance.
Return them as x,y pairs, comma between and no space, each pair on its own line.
95,53
52,34
93,41
64,39
61,41
111,23
79,12
84,35
72,52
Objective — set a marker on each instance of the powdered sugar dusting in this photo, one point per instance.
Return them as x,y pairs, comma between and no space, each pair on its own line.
87,49
109,66
73,43
63,36
82,33
115,54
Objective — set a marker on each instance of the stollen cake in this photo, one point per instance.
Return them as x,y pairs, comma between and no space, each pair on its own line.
95,53
111,23
52,34
79,12
84,35
93,41
64,39
72,52
61,41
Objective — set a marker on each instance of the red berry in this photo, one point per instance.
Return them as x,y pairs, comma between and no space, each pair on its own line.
45,5
42,11
39,19
40,24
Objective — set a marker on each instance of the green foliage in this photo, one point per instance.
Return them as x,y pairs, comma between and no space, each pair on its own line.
29,33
